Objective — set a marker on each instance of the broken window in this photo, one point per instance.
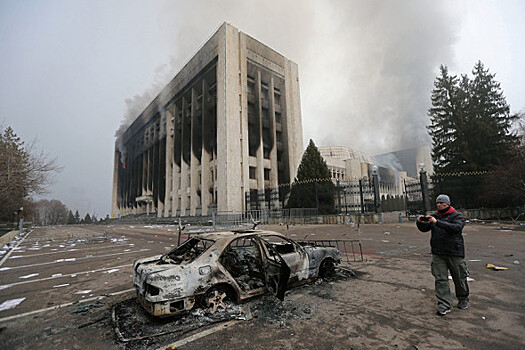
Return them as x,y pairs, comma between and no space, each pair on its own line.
242,259
187,251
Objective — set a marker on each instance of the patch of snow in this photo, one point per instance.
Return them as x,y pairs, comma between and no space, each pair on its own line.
29,276
11,304
83,291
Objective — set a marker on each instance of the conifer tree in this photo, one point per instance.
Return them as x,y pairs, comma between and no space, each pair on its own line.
470,122
313,187
71,218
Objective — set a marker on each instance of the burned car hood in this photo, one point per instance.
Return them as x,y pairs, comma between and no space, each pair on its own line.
153,265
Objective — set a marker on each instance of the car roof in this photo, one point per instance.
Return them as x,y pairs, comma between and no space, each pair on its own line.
233,234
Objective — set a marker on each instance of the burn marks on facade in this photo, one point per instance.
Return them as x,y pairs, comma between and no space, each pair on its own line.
227,124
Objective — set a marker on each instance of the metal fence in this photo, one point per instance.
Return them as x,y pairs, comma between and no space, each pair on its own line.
346,197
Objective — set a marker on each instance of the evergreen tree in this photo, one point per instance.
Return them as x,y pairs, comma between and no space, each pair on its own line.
87,219
77,217
490,140
470,122
71,218
313,187
445,117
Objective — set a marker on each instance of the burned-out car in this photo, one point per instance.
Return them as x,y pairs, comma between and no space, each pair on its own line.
210,268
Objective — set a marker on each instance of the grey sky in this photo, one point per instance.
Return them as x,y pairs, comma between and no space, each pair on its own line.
72,71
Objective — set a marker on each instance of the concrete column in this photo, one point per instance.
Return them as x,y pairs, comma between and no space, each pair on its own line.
194,168
185,169
206,179
229,182
115,210
245,156
260,154
274,179
293,117
168,198
176,168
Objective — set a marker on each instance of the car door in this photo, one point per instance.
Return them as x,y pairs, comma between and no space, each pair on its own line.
276,271
292,253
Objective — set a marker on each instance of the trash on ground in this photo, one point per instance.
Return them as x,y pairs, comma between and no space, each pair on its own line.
516,262
496,268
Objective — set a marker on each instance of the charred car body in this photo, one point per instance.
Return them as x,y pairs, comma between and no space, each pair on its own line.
209,268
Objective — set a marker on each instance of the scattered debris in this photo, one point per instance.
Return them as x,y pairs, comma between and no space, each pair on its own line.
516,262
133,325
86,308
496,268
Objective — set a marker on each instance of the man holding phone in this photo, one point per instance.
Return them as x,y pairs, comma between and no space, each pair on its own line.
448,253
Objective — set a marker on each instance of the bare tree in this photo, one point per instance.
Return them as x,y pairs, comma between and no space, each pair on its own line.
24,171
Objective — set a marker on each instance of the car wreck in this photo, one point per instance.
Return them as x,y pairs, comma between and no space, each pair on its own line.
209,269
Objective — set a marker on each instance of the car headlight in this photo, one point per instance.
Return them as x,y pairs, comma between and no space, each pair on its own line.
151,290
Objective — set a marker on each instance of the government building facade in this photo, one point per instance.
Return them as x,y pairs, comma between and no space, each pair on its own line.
228,124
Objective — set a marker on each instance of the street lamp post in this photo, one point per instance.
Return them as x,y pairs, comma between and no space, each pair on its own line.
20,220
377,198
424,187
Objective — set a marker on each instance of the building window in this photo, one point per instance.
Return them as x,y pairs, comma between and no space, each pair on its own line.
253,173
266,152
277,117
279,136
266,174
277,99
251,88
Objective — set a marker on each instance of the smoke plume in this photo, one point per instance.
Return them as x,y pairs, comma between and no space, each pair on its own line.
366,67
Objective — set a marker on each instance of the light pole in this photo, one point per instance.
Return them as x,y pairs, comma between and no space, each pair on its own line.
424,187
377,199
20,220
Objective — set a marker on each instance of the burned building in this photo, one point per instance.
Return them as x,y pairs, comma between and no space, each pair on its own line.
229,123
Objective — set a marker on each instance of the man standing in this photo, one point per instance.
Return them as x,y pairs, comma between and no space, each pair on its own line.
448,253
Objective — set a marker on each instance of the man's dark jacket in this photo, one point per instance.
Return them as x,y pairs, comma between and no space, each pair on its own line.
447,238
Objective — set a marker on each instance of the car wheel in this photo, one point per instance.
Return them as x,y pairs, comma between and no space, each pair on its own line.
327,268
215,298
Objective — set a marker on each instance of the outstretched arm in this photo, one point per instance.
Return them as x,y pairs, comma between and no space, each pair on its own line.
455,227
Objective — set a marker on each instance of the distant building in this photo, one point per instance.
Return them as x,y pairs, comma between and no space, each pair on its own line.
410,160
228,123
346,164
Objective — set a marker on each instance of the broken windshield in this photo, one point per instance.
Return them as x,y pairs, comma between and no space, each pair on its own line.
187,251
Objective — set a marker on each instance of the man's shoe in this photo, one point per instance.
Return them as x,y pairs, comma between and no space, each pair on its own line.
441,310
463,304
